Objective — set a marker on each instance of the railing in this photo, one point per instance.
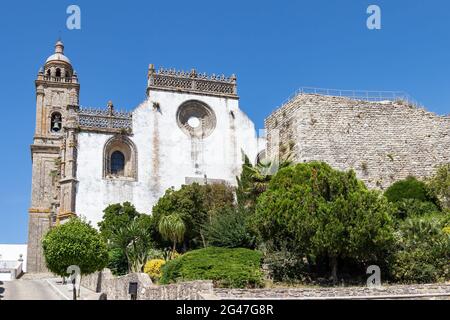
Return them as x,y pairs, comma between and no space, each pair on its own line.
105,119
58,79
363,95
9,264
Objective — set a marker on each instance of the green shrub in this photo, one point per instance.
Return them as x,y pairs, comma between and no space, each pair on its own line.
117,262
228,228
413,207
439,183
423,253
410,188
75,242
284,265
324,212
237,268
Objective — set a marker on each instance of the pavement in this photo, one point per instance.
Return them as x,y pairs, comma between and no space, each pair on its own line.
42,289
27,290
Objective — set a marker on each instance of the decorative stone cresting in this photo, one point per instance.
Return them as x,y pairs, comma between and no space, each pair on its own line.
193,82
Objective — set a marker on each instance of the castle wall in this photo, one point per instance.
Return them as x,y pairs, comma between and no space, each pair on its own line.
382,141
166,155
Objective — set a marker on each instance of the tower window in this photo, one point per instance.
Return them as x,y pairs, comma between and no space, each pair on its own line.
56,122
117,163
58,73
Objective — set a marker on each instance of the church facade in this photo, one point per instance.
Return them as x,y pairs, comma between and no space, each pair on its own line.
189,129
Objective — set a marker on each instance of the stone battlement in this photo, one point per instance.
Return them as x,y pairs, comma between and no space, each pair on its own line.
383,141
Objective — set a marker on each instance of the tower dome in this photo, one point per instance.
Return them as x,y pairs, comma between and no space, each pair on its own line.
58,67
58,56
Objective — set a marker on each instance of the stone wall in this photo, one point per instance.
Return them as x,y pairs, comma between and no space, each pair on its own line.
116,288
382,141
400,291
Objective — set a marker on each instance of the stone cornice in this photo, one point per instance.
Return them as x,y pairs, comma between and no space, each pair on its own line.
45,148
57,84
191,82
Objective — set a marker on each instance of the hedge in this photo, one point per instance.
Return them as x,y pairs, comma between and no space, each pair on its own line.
227,268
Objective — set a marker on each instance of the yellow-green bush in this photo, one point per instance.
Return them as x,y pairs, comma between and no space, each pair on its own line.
153,268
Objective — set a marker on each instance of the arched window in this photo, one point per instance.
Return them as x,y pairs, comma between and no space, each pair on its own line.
120,158
56,122
58,73
117,163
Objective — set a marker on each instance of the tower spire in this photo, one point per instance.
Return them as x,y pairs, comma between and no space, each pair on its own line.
59,46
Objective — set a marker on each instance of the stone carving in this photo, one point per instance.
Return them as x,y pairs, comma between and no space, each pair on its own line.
196,119
173,80
104,119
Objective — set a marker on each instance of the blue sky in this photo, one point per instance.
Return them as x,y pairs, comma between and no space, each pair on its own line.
274,47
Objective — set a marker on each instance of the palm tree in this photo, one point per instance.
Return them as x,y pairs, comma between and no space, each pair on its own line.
172,228
135,241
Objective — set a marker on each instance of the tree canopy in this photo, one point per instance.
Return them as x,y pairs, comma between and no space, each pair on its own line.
325,212
195,204
74,243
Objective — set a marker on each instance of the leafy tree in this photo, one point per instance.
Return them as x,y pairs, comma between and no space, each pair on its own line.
116,216
254,179
135,241
172,228
423,252
320,211
117,261
439,183
74,243
413,207
195,204
128,234
229,228
410,188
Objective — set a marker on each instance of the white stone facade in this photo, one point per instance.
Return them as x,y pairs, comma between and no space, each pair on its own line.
166,155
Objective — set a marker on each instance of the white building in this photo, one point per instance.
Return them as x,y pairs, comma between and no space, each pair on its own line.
13,260
188,129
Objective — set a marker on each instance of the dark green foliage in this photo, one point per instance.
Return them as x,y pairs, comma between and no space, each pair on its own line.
116,216
195,204
236,268
254,179
319,211
135,241
117,262
129,234
228,228
74,243
410,188
283,264
246,193
413,207
439,183
423,253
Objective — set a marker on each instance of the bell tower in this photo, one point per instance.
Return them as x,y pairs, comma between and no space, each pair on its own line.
57,92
